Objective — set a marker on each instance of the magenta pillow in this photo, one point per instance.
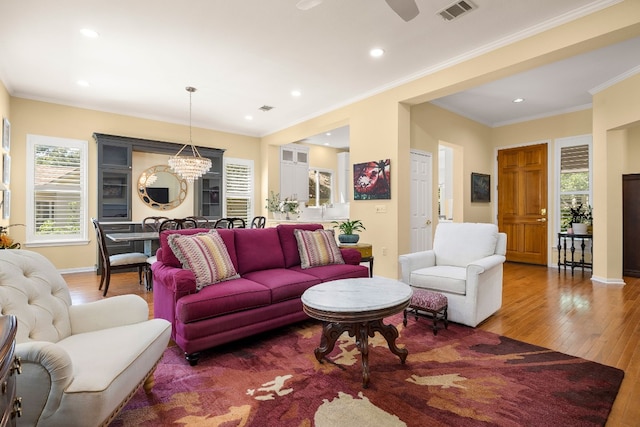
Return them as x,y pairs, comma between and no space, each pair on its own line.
317,248
258,249
206,255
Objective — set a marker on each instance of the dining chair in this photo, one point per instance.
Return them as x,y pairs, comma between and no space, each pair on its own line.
203,222
116,261
258,222
178,224
152,223
230,223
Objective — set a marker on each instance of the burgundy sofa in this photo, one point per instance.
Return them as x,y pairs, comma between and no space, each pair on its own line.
266,296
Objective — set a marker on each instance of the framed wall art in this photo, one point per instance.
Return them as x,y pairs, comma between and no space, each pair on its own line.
6,169
6,134
372,180
480,187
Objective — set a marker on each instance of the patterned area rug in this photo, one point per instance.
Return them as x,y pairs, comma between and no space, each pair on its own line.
461,377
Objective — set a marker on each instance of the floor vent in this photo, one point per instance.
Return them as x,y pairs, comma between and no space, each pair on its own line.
456,10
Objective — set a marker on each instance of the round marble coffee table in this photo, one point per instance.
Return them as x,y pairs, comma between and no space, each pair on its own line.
357,306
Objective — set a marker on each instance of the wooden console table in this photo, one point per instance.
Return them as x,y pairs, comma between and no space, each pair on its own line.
562,251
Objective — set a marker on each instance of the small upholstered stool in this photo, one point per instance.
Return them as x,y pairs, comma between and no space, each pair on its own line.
428,304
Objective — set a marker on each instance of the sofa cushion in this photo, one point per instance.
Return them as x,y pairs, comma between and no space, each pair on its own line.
206,255
258,249
441,278
290,244
284,283
480,242
317,248
223,298
335,271
170,259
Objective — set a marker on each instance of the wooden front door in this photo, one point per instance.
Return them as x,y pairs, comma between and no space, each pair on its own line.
522,202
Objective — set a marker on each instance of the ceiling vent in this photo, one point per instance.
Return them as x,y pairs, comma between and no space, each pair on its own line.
266,108
456,10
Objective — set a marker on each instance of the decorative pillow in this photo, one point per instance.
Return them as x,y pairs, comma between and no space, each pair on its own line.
206,255
318,248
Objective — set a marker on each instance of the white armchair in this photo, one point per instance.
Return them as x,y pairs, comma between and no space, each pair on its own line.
465,265
80,363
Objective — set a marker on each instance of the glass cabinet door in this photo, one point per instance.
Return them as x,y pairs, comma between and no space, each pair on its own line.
115,194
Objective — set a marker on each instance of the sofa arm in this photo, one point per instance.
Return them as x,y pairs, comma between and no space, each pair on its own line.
176,280
415,261
484,264
351,256
97,315
46,372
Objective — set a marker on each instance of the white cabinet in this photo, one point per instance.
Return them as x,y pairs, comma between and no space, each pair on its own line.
294,172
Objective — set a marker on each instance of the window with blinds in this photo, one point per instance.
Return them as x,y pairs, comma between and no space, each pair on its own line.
574,178
238,178
56,183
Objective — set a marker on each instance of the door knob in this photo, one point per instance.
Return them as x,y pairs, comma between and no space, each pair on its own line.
428,222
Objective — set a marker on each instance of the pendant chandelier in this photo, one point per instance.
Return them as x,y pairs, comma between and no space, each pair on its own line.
189,167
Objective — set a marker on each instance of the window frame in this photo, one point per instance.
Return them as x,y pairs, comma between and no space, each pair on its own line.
230,194
317,190
80,238
559,145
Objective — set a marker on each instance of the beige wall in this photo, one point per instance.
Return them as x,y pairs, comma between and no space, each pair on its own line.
616,112
41,118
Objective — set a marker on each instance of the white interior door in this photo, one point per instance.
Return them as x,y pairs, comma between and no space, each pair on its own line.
421,200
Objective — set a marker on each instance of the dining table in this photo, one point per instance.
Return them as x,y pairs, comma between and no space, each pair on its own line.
146,236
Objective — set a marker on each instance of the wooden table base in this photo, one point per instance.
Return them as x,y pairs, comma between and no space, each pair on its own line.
331,331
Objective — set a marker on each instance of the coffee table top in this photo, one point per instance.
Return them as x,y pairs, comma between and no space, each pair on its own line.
356,299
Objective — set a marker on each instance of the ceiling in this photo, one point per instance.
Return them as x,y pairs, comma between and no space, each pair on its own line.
245,54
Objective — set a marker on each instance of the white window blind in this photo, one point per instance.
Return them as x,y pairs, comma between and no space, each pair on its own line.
238,188
574,172
56,199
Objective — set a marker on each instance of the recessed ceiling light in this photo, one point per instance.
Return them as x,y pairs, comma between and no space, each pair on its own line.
376,52
328,133
518,100
248,117
82,83
296,93
87,32
326,143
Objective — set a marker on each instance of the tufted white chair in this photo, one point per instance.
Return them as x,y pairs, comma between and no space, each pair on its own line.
80,363
465,265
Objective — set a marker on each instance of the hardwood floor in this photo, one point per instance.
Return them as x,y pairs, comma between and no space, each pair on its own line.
555,310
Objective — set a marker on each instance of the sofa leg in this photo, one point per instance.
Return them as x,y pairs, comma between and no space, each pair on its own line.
192,358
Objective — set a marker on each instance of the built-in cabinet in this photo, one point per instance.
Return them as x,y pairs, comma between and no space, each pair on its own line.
294,172
114,178
116,184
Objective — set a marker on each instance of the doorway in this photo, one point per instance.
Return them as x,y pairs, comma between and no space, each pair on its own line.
522,202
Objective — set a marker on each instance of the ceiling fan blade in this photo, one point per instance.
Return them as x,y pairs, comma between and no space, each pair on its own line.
406,9
307,4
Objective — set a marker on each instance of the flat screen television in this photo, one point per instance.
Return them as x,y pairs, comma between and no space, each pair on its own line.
158,194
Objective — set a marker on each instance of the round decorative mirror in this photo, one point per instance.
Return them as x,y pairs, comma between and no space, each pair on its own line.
160,188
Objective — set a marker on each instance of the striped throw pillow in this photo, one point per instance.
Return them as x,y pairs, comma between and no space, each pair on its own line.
206,255
317,248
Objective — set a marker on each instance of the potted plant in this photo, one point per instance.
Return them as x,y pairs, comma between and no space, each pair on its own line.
581,218
6,241
348,229
273,204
